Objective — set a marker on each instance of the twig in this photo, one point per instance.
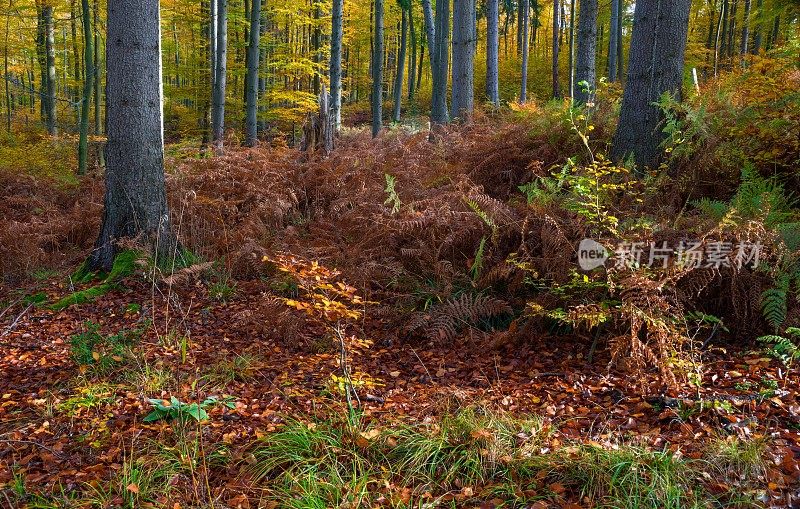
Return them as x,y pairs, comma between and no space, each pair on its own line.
16,320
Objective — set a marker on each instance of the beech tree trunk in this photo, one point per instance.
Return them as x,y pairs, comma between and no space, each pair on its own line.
401,64
412,62
463,58
656,67
526,22
336,62
50,53
620,54
556,32
135,200
88,65
253,60
585,71
441,48
220,63
492,51
757,37
613,41
571,55
745,30
377,71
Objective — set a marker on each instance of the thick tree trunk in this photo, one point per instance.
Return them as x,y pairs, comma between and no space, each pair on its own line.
253,59
441,48
556,26
88,65
377,71
50,52
135,199
585,72
492,51
463,60
220,62
656,67
526,22
613,41
336,62
401,64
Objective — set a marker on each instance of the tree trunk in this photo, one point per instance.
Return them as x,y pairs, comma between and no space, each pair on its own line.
492,51
745,30
463,60
5,66
401,65
757,38
336,62
88,66
526,22
722,49
773,39
98,123
50,52
135,200
412,63
585,71
441,48
377,71
656,67
253,59
220,61
556,25
620,49
732,30
571,63
613,41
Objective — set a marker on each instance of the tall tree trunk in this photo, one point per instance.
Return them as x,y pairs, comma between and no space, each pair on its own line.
98,123
745,30
757,38
74,28
316,40
441,48
221,59
463,60
412,62
571,56
50,51
135,203
620,49
722,49
5,66
401,64
492,51
587,52
88,65
656,67
377,71
41,57
253,59
556,25
336,62
526,21
613,41
732,29
773,39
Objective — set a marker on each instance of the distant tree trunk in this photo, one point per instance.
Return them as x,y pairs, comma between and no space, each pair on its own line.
439,113
656,67
492,51
571,56
5,66
613,41
412,63
50,51
316,40
135,203
88,65
463,60
253,60
420,66
732,29
401,64
722,49
556,26
336,62
98,122
377,71
620,49
587,52
74,30
221,59
757,37
526,21
745,30
776,30
41,57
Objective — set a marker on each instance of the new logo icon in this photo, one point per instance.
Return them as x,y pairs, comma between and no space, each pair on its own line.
591,254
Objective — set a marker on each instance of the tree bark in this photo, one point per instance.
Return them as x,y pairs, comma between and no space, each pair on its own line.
88,65
50,52
98,122
463,60
135,203
556,25
745,30
492,52
620,49
439,113
377,71
253,60
613,41
220,62
585,72
412,62
401,64
655,68
757,37
336,62
571,56
526,22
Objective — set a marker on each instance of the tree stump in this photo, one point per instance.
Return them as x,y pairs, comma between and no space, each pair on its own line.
318,129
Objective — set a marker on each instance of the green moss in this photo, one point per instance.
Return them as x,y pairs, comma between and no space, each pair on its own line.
124,265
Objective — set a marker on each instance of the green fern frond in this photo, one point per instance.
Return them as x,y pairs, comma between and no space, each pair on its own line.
774,302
